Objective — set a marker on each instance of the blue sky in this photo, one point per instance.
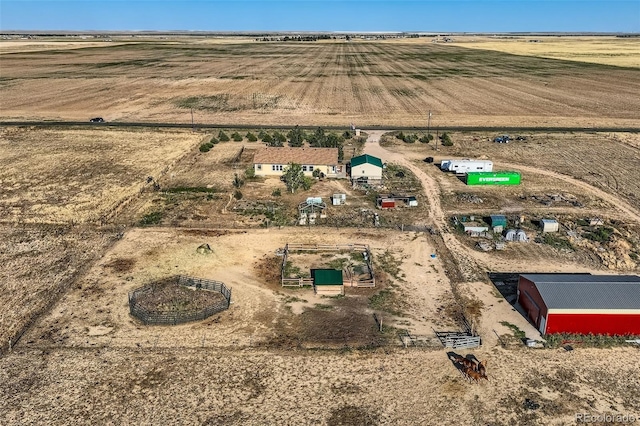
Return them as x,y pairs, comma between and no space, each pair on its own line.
328,15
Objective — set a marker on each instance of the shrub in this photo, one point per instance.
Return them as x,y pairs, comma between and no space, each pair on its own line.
251,137
214,141
267,138
601,235
307,182
276,192
236,137
250,172
426,138
446,139
206,147
400,136
152,218
237,195
223,136
347,135
237,181
410,138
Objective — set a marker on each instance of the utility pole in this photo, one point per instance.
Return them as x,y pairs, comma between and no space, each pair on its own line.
429,125
437,137
193,126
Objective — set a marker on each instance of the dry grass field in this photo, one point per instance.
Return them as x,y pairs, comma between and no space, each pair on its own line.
64,176
621,52
268,359
369,83
39,264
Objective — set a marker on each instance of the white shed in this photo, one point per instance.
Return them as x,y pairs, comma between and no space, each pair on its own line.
549,225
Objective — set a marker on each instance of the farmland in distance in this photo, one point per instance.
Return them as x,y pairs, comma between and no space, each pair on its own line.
380,83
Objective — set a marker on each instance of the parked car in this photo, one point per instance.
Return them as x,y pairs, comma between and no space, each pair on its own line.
97,120
502,139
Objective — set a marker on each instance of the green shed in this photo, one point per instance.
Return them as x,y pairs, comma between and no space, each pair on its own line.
327,281
493,178
498,220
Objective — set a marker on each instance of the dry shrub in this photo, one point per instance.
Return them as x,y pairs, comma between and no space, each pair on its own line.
268,268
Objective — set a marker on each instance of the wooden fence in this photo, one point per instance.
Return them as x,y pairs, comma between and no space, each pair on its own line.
180,317
350,282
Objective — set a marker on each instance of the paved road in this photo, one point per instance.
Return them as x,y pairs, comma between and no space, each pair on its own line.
501,130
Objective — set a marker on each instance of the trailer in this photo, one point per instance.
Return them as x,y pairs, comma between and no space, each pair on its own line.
466,165
493,178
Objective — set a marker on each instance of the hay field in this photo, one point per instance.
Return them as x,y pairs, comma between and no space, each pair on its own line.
64,176
617,51
338,82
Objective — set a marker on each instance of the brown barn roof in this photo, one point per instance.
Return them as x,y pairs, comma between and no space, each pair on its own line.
284,155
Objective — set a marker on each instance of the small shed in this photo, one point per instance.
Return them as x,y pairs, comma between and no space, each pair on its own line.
521,236
338,199
327,282
549,225
386,203
498,220
413,202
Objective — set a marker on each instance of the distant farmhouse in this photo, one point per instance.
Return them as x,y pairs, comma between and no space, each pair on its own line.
366,169
272,161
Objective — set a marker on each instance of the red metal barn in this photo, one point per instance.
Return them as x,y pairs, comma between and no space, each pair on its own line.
581,304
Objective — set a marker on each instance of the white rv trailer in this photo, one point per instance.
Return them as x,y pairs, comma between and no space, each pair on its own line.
466,165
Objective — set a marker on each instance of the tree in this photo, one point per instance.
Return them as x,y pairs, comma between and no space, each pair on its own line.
446,139
318,138
293,177
250,172
223,136
296,137
236,137
279,139
251,137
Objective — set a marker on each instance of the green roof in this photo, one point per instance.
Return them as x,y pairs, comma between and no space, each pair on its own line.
366,158
326,276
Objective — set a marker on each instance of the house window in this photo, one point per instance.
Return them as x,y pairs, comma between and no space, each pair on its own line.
310,168
304,168
258,166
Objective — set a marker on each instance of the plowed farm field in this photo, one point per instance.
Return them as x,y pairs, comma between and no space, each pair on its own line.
324,83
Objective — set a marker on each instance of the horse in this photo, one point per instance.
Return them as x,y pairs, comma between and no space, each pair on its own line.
474,375
482,367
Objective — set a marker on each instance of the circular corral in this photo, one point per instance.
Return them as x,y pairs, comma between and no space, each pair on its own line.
178,299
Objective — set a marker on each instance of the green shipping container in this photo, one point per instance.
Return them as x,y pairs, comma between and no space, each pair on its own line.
493,178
